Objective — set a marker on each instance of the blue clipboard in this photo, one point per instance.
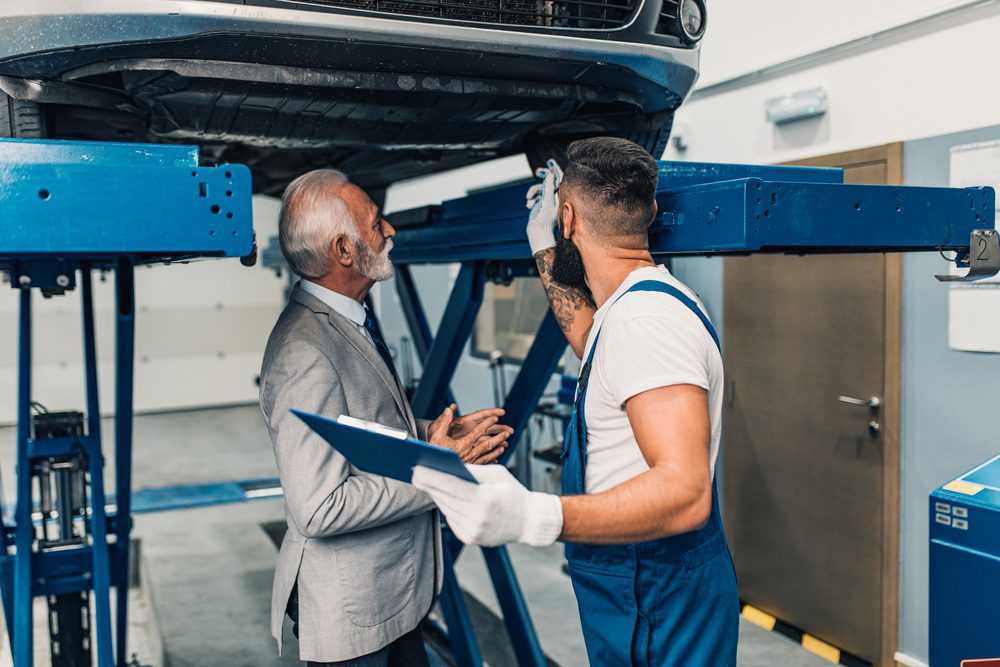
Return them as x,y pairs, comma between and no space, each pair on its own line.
382,454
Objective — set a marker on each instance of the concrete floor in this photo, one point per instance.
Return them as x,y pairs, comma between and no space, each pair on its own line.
207,572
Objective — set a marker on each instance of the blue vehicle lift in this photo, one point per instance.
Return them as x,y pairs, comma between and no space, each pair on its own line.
73,207
705,209
76,207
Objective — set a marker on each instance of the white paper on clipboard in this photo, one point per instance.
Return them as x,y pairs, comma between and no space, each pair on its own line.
974,308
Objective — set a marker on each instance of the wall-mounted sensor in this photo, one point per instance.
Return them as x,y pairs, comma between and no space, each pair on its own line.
797,106
679,136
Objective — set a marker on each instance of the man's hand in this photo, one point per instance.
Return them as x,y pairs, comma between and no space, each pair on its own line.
477,437
496,511
463,426
543,200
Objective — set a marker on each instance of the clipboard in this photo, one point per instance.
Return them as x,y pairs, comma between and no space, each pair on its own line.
384,455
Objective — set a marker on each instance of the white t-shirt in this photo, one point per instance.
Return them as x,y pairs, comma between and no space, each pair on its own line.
648,340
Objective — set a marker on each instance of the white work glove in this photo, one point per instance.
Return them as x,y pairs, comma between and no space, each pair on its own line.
496,511
543,200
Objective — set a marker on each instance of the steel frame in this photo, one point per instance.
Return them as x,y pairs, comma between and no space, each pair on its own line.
709,209
59,221
440,358
167,208
704,209
101,565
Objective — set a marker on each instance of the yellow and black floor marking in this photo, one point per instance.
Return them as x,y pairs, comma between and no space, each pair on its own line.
808,642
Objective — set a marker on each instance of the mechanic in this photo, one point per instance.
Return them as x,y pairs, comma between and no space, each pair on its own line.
360,562
650,566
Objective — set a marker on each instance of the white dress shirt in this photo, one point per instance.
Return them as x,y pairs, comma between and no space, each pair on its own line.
345,305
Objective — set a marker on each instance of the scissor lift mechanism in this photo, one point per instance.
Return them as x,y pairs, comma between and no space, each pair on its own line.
68,207
705,209
71,207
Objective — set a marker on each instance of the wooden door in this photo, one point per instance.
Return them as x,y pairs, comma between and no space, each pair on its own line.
811,483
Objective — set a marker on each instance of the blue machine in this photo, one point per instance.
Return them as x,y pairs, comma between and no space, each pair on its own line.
965,567
706,209
66,210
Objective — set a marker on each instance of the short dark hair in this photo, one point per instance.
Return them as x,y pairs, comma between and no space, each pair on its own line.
616,179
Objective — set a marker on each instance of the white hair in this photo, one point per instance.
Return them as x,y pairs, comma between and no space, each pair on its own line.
309,221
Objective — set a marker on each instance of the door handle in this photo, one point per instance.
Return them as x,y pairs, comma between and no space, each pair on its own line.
873,403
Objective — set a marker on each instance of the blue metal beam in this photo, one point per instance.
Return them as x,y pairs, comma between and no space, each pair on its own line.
56,217
535,374
413,311
439,368
89,352
520,629
416,319
461,635
100,555
164,206
720,209
107,153
751,215
95,458
22,618
124,372
449,344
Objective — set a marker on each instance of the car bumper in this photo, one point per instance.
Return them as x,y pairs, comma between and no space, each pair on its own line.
34,28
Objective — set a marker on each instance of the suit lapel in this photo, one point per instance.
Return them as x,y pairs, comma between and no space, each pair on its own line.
363,346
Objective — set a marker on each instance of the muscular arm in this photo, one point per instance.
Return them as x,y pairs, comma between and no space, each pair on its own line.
574,309
671,425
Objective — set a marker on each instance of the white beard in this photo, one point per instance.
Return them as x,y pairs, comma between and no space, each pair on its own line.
374,267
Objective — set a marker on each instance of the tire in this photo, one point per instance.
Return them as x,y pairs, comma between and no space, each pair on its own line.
653,138
19,119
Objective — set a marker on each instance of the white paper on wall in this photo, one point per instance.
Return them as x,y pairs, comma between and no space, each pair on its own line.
974,308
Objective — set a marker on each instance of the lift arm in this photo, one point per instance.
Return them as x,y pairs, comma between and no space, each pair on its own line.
711,209
69,207
704,209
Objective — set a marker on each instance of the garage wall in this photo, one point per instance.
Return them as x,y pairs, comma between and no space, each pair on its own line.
200,335
773,31
943,391
919,76
924,80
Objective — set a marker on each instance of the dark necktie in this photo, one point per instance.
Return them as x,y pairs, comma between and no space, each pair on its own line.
379,343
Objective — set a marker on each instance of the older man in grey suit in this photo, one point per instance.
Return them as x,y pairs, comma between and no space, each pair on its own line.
360,563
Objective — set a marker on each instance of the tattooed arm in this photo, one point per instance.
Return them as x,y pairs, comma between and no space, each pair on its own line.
574,309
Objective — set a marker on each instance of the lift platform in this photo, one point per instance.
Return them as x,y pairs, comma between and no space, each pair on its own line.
68,209
72,208
705,209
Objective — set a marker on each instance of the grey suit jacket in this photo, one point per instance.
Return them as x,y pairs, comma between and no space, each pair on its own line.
365,549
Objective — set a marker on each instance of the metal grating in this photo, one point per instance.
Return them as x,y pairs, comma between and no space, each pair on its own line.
572,14
668,23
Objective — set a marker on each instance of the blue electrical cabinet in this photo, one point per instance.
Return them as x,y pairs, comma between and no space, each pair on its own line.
965,567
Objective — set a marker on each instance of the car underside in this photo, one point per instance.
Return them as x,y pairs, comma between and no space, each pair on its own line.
383,98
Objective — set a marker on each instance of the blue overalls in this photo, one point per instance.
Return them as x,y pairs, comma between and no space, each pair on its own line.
668,602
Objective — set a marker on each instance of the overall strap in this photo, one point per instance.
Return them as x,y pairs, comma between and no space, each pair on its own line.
660,286
656,286
576,434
